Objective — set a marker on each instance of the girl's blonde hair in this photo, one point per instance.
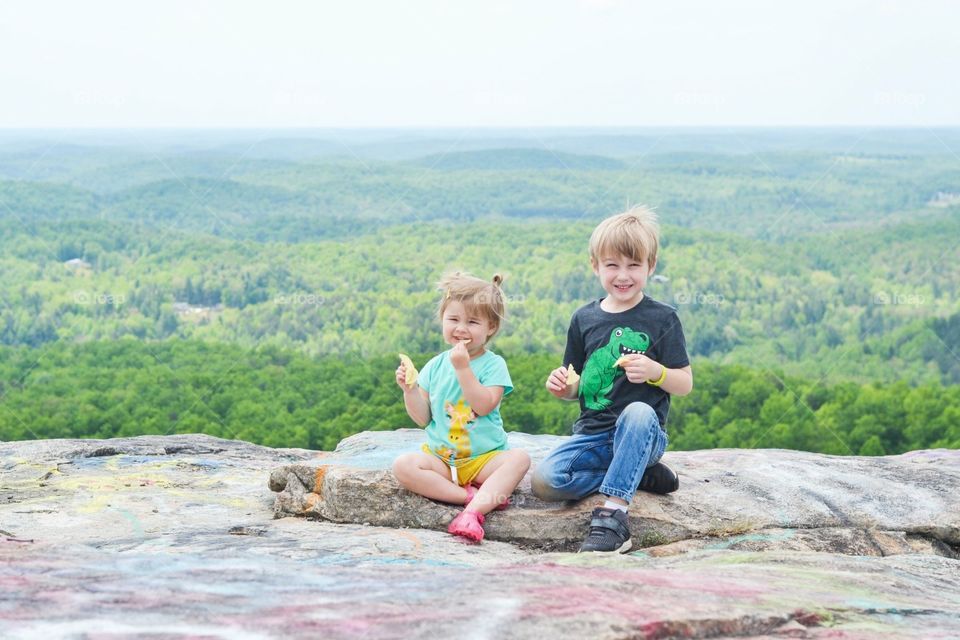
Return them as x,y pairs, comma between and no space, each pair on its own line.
478,297
633,233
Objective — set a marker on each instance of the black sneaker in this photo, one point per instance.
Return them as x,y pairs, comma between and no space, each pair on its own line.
608,532
659,479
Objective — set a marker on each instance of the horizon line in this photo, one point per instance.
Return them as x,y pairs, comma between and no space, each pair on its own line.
718,127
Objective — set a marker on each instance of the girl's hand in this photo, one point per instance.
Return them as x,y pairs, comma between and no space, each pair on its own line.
402,379
557,382
641,368
459,356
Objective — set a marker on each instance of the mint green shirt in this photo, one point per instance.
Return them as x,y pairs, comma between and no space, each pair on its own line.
456,433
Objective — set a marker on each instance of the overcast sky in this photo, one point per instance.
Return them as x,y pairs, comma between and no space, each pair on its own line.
359,63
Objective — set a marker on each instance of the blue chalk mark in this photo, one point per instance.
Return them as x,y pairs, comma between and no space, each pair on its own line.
752,537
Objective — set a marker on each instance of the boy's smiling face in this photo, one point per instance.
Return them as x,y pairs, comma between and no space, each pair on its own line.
624,279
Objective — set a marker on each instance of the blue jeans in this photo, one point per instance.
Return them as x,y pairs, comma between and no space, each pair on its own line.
611,462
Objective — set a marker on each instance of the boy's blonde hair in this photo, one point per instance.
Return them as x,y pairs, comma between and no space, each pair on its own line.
633,233
479,297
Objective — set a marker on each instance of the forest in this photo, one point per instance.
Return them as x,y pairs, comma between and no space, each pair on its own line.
173,288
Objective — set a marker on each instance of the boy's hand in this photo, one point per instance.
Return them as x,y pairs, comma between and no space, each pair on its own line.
459,356
557,382
640,368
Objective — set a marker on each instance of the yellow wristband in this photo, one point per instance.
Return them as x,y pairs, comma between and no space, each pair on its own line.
659,381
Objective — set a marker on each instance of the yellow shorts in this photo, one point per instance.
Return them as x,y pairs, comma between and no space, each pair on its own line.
466,469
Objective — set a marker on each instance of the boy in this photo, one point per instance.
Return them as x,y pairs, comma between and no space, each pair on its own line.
631,355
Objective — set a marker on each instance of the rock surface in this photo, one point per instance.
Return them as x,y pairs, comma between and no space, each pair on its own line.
728,498
175,537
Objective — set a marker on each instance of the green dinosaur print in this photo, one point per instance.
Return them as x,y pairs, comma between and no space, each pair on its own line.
599,372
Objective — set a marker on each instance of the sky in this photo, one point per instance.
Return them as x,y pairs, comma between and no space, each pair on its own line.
417,63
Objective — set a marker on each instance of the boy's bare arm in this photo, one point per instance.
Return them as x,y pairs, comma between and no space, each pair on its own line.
641,369
679,382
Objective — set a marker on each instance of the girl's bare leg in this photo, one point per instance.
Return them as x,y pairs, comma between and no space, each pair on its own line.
498,479
428,476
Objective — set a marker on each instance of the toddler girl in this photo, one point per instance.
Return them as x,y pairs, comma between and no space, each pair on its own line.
457,398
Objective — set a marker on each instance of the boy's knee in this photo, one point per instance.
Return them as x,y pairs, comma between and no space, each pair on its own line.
640,413
543,486
539,485
639,418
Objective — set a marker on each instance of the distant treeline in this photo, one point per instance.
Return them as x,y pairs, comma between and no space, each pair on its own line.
283,398
260,290
772,196
863,305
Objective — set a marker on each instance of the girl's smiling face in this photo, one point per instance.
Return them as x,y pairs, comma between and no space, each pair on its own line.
458,326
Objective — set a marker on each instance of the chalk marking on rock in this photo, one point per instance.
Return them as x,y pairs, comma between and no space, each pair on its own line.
499,613
319,475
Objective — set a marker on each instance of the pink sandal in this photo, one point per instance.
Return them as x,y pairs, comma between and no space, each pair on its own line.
468,524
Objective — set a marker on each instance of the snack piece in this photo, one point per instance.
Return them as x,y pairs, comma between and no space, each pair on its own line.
572,376
622,361
411,370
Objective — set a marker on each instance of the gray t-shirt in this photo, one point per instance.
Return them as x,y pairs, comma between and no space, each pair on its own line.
597,338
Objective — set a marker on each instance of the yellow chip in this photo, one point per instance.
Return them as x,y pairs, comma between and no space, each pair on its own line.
572,376
621,361
410,369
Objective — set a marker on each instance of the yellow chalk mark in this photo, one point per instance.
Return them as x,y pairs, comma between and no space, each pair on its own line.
95,503
311,502
319,475
414,539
